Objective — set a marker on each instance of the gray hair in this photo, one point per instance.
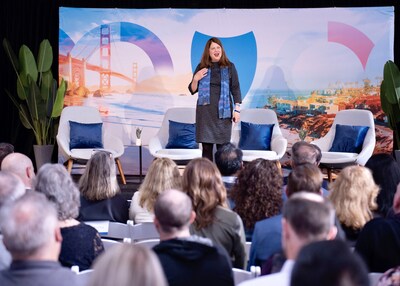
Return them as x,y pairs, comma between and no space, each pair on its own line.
99,181
310,215
55,182
28,224
304,152
11,187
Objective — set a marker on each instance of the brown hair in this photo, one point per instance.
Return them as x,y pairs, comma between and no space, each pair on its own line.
257,192
203,183
206,59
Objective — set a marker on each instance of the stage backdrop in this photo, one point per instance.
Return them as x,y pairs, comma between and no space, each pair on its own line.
307,64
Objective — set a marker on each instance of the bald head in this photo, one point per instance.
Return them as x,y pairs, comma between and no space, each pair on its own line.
11,187
21,165
173,211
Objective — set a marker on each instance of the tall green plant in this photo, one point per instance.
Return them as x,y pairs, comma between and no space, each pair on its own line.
39,100
390,99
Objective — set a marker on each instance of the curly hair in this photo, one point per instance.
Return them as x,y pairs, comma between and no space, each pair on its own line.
99,181
163,174
353,195
257,192
203,183
54,181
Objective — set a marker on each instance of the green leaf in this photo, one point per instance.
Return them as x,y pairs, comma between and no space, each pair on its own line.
45,88
24,117
11,55
28,63
59,102
391,75
45,57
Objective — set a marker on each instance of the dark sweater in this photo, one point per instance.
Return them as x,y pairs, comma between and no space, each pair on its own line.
379,243
188,262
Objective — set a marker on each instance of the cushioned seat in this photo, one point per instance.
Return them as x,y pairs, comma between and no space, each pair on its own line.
260,118
353,121
158,145
87,126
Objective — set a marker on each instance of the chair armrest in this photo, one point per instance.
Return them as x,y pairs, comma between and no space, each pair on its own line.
324,143
155,145
279,145
63,145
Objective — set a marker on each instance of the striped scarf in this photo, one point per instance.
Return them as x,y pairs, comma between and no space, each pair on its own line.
224,106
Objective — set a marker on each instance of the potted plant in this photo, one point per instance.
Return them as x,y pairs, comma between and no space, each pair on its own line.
390,99
138,136
39,99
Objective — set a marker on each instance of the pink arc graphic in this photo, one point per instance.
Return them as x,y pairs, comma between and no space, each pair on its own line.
352,38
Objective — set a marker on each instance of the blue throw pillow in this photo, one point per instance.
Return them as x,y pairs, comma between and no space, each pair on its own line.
255,136
349,138
85,135
182,136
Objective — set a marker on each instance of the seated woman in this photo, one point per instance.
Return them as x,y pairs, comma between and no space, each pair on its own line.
257,193
386,173
81,243
203,183
163,174
100,198
353,194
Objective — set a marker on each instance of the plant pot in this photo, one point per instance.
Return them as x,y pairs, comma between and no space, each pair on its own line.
43,154
138,142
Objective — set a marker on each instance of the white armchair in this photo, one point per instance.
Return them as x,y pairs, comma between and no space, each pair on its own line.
86,114
261,116
157,144
337,160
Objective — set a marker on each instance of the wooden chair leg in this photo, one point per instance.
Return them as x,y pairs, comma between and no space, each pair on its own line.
278,164
69,165
329,171
121,172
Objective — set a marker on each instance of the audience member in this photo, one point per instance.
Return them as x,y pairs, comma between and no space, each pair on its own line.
32,236
21,165
11,188
329,263
307,217
379,241
267,234
163,174
257,193
100,198
386,173
305,153
353,194
186,259
81,243
202,182
5,149
305,177
127,265
229,160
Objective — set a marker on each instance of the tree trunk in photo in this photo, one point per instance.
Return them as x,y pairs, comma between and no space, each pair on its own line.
43,154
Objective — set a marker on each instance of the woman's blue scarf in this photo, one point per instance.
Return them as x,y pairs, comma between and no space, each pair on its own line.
224,107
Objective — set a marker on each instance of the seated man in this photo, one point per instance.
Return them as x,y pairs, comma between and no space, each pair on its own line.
21,165
32,235
186,259
307,217
229,160
267,233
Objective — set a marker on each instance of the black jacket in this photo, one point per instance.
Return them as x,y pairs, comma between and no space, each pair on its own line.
194,261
